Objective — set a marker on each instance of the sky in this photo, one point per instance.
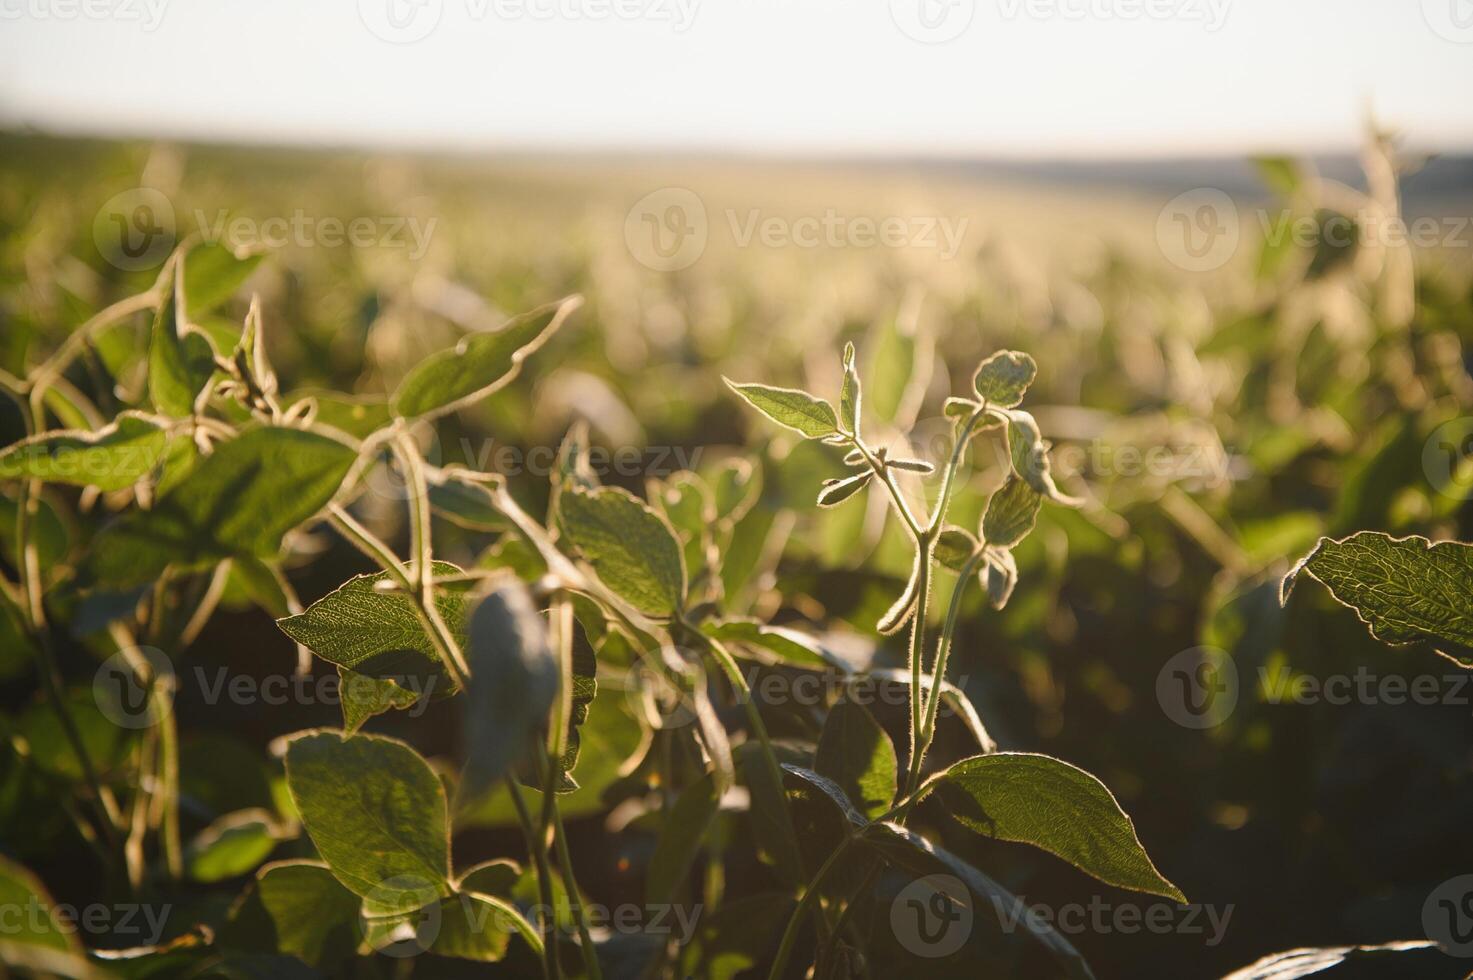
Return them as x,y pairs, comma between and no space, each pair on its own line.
1001,78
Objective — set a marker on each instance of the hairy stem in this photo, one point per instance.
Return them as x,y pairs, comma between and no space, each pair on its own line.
537,853
565,865
943,650
423,566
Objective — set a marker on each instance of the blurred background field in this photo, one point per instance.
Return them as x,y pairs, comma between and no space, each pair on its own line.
1215,421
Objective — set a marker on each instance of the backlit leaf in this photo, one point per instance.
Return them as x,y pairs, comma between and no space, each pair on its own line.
1010,513
111,458
482,363
376,633
1003,378
634,550
1405,589
791,408
1039,800
855,752
376,812
239,500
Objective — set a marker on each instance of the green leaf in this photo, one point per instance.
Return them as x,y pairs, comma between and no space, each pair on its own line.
515,679
585,689
313,915
481,364
20,890
855,752
1029,455
835,492
212,274
633,549
955,547
1039,800
1307,961
233,845
959,408
505,883
908,849
788,645
1003,378
240,500
1000,577
466,504
1010,513
376,812
377,633
681,838
835,794
180,357
791,408
359,416
849,394
362,696
111,458
476,927
1407,590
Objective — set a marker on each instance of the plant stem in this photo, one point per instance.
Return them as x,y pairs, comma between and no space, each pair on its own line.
372,546
565,865
810,895
423,566
551,968
943,650
917,658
